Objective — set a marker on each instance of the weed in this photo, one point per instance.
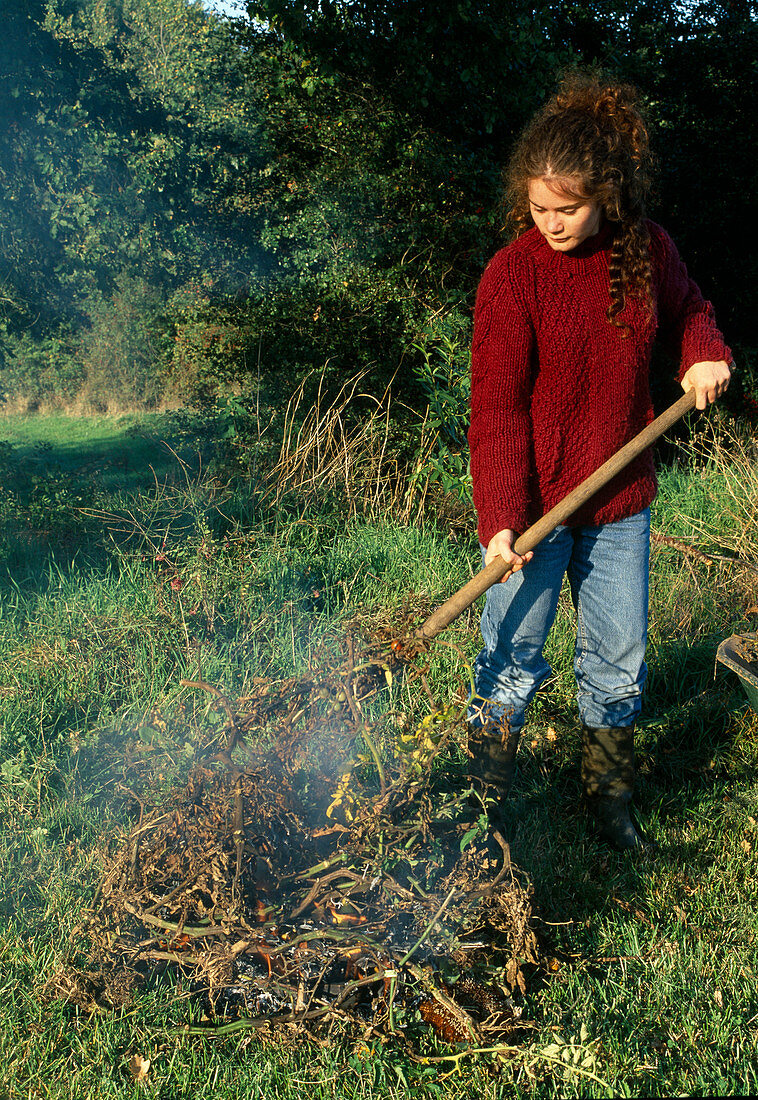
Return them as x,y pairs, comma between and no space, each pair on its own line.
444,373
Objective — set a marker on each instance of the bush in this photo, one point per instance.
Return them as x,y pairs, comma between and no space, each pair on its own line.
444,375
213,345
41,372
123,346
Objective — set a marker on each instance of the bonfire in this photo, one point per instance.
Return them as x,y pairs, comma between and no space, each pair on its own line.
321,865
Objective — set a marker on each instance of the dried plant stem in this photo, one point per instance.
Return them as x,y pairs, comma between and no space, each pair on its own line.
192,930
429,928
246,1023
371,745
701,555
506,1049
202,685
424,935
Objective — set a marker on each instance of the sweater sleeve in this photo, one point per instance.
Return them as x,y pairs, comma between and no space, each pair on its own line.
500,436
687,320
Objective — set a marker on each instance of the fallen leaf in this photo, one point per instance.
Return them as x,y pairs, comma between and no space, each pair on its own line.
138,1067
746,845
718,998
513,975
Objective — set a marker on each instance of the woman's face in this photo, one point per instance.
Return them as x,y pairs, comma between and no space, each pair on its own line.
563,219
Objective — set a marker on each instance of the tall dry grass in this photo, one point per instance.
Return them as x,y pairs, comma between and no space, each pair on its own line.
347,444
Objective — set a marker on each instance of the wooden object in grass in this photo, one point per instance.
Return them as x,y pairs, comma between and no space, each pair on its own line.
498,570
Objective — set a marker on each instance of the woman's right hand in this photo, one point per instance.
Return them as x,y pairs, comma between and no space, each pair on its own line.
502,544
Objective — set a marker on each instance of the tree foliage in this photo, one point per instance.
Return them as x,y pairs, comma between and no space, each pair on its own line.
318,184
122,160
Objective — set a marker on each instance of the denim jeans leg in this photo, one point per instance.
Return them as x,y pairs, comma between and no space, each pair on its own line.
609,578
515,624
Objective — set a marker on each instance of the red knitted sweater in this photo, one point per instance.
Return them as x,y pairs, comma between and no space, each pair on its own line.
557,389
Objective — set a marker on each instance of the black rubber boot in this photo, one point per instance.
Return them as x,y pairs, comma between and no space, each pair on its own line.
493,755
608,781
492,766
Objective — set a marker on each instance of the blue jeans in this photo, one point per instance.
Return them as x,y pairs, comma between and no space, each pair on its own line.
607,569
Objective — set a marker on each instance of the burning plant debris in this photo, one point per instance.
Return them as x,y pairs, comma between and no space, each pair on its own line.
316,867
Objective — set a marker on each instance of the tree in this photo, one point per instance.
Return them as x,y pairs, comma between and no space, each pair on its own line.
117,164
325,177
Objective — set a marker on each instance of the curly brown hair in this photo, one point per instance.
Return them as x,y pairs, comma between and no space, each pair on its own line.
592,131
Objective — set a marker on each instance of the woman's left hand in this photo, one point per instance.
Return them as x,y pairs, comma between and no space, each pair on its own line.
708,380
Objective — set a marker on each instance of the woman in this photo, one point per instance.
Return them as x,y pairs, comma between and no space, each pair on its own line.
565,320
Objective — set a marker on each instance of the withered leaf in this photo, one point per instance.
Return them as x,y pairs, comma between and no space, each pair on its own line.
514,977
138,1067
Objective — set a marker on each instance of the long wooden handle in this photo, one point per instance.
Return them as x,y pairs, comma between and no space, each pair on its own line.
497,570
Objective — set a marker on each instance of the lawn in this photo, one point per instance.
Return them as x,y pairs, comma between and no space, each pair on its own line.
127,566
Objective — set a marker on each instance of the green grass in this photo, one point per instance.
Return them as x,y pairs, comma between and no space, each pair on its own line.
123,451
654,964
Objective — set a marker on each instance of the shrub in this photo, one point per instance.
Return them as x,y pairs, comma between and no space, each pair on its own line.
122,348
41,372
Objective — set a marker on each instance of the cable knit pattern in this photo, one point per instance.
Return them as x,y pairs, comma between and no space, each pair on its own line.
557,389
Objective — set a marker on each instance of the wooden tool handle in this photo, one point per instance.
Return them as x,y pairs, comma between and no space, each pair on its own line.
497,570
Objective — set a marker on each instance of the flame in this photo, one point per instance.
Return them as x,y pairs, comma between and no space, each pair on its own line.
182,942
344,918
